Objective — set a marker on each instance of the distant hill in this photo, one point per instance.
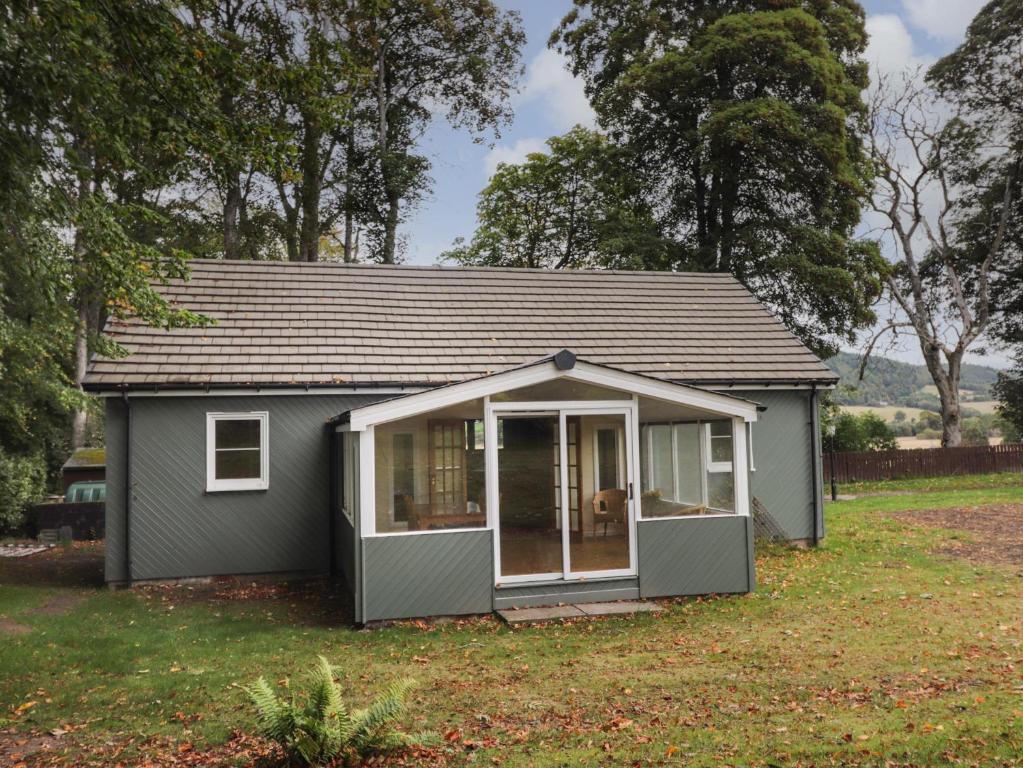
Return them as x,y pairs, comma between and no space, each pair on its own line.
889,382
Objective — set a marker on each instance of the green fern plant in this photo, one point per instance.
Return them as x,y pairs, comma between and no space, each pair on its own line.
323,729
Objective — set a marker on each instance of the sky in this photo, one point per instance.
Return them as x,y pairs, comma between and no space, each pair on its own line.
903,34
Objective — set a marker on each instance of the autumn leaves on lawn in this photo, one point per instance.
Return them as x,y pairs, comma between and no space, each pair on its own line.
323,730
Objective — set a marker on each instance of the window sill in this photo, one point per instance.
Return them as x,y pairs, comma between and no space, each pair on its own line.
239,489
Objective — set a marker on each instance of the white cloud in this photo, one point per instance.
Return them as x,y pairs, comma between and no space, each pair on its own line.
549,81
944,19
516,153
890,49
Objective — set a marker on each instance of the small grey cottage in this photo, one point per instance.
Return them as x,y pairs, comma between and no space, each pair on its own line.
457,440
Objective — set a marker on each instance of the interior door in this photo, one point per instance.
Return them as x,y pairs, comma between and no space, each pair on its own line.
447,466
565,495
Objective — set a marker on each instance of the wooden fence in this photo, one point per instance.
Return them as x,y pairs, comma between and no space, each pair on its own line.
924,462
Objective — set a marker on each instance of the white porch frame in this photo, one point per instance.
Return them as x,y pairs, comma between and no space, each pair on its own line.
363,420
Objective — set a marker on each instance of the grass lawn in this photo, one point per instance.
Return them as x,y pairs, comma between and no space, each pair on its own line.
871,650
1008,480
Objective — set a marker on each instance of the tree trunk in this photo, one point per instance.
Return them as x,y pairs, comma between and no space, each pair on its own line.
947,384
951,425
349,193
79,417
390,225
310,190
386,162
81,299
232,215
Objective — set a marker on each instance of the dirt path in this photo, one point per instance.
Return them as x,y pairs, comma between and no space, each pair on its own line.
11,627
996,531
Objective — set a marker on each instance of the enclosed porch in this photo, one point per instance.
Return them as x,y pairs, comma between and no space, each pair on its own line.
560,481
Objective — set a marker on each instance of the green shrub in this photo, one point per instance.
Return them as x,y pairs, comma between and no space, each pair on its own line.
323,730
929,434
22,482
866,432
974,431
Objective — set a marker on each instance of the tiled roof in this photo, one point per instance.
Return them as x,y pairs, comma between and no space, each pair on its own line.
281,323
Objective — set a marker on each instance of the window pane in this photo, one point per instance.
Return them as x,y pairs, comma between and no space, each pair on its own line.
237,465
721,441
655,457
529,479
607,459
403,472
687,464
721,491
429,474
237,433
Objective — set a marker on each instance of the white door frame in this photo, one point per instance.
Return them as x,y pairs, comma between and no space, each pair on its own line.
563,409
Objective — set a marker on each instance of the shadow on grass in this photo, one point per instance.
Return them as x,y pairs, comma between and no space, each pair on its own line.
317,601
78,566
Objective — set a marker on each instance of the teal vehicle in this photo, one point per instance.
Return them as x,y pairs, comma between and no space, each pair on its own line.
93,490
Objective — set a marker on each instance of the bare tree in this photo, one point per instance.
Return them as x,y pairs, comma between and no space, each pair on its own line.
943,298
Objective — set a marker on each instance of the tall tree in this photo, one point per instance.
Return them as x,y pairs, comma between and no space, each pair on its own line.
458,58
102,105
941,294
983,77
315,79
746,116
231,130
577,206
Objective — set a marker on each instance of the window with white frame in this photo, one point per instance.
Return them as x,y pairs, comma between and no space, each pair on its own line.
687,468
346,476
237,457
720,475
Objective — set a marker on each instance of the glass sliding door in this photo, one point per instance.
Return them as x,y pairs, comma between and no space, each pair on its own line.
564,494
603,543
528,477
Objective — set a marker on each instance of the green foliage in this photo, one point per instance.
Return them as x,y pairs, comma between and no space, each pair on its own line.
1009,392
897,383
22,482
323,729
974,431
744,123
577,205
863,432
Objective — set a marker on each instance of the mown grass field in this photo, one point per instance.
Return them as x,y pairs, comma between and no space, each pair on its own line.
871,650
887,412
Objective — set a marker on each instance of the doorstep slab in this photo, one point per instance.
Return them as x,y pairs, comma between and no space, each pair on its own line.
621,608
577,611
548,613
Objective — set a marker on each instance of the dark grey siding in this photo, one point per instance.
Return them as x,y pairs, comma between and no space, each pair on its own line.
116,442
428,574
695,556
783,458
597,590
179,530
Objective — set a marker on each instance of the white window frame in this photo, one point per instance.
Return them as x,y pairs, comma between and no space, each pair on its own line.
261,483
717,466
348,477
738,467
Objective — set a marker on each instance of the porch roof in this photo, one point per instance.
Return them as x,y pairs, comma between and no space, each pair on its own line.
563,364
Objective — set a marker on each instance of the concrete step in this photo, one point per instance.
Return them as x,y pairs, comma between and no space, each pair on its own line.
581,610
